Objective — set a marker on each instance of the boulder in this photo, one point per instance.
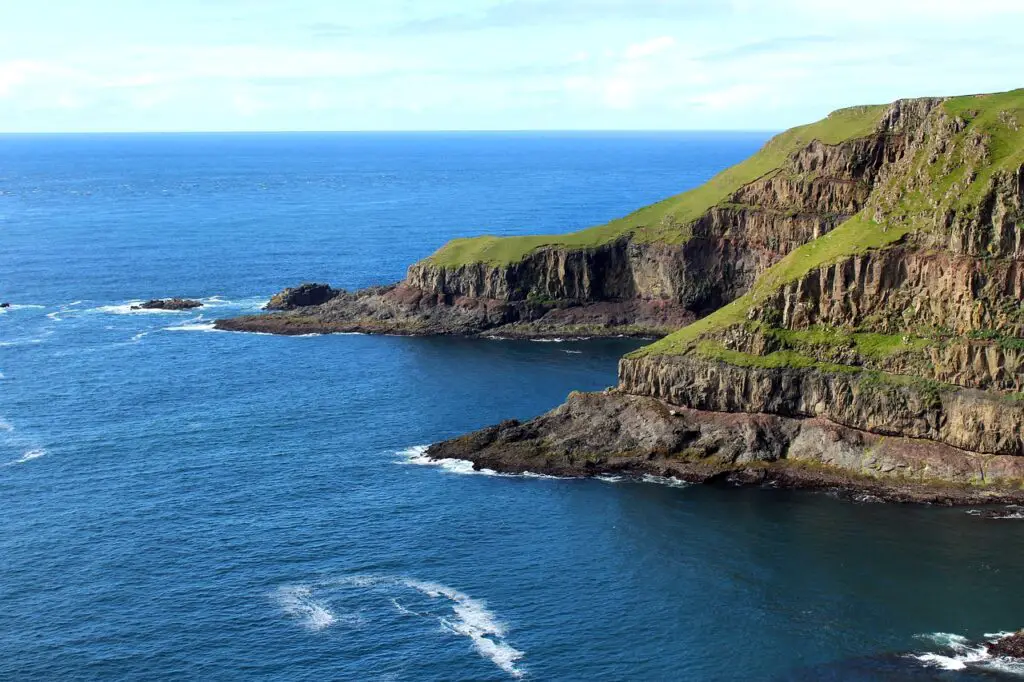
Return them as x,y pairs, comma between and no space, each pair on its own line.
302,296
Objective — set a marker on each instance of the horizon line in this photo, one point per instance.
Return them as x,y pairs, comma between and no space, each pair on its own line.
385,132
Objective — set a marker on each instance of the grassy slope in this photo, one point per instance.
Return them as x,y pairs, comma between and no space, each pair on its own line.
857,235
670,220
998,118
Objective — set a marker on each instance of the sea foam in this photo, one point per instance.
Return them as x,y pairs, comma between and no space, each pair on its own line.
29,455
472,619
961,653
297,601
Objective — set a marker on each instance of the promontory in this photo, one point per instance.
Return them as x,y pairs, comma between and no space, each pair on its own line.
843,309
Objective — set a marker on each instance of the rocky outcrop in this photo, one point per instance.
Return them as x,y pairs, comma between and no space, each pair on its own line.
617,433
305,295
1011,646
868,324
870,401
888,354
631,284
902,289
169,304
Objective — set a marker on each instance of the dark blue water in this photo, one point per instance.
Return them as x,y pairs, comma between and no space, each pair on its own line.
182,504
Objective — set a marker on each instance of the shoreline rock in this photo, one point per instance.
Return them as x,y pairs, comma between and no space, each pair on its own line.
622,434
1011,646
400,309
169,304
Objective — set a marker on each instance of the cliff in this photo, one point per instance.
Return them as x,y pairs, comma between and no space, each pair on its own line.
884,353
646,274
846,307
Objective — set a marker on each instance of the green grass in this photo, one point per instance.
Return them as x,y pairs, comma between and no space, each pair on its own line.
868,344
999,117
857,235
779,359
669,220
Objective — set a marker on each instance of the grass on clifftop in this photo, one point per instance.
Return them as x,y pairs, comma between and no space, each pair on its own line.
857,235
999,117
670,220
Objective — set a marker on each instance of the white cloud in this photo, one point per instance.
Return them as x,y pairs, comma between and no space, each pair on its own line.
650,47
730,97
19,71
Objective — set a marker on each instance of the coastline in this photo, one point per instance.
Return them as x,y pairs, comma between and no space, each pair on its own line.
611,433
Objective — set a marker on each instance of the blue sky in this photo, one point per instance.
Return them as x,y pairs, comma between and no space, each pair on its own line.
135,65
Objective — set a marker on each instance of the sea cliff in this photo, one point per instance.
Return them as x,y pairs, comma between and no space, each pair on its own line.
845,308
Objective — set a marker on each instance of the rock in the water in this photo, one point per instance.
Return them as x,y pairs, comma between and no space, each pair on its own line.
301,296
169,304
1011,646
5,305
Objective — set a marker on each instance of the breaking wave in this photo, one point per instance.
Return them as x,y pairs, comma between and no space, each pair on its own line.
29,455
193,327
456,612
1012,511
471,618
959,653
297,601
417,455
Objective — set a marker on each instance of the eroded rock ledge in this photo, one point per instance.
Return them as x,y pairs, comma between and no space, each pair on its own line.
619,433
406,310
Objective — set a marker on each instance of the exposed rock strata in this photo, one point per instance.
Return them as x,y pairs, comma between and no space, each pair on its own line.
643,287
617,433
885,353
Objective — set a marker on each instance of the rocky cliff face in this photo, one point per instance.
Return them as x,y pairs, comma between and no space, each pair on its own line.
631,284
887,354
868,324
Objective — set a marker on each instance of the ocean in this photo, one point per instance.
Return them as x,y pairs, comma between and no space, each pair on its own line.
185,504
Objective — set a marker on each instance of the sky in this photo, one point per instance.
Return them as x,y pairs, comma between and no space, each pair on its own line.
217,65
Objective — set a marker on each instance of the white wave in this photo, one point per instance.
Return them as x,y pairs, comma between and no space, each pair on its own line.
30,455
55,316
573,352
530,474
194,327
5,426
27,457
138,337
1012,511
126,309
417,455
2,375
472,619
608,478
74,303
23,306
962,654
297,601
670,481
254,302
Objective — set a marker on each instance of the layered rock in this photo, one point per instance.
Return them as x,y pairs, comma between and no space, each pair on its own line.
648,278
866,277
885,353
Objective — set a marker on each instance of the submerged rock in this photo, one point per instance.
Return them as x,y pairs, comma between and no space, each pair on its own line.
169,304
5,305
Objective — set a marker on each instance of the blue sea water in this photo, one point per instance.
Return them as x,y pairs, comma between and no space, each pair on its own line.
178,503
